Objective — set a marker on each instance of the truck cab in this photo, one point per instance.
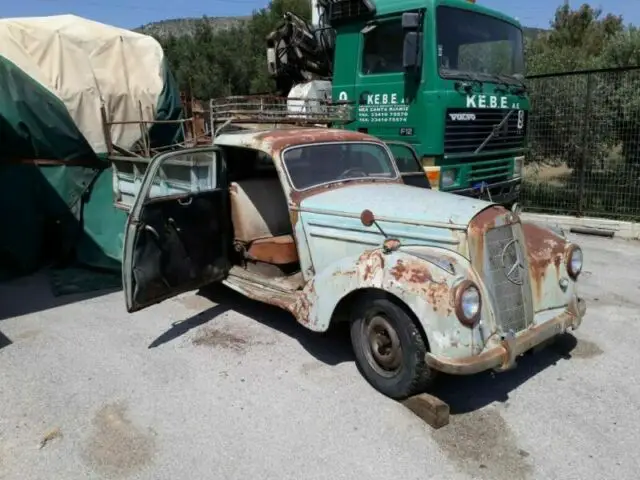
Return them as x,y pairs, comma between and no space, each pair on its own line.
445,76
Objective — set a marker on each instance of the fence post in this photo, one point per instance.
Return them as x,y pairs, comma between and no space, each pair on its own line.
585,149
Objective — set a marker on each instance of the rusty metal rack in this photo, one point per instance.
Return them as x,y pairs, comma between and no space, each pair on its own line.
269,109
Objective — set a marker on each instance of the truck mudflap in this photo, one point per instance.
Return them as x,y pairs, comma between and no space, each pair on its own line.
503,357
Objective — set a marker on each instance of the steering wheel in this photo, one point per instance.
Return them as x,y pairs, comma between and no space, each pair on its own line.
354,170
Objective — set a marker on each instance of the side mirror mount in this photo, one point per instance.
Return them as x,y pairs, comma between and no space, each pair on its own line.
390,244
412,50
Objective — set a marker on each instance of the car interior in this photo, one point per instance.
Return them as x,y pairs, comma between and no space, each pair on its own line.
182,244
262,232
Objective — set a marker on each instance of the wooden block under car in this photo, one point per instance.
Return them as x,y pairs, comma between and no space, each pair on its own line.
429,408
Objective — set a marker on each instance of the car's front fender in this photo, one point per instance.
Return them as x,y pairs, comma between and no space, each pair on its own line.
424,285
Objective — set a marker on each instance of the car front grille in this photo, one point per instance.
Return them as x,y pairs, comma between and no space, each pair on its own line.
506,278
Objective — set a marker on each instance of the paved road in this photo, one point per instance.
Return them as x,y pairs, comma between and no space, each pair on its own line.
193,389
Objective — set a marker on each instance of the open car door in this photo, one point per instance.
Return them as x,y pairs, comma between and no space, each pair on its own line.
409,165
177,233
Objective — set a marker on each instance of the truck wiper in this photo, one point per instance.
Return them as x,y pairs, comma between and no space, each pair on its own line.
511,81
502,84
522,88
448,73
495,130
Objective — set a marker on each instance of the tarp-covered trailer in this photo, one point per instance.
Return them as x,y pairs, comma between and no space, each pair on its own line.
65,83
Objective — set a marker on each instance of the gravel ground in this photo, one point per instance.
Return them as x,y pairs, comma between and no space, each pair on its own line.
193,388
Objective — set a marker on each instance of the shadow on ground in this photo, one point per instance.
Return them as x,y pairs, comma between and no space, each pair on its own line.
331,348
46,290
466,394
4,341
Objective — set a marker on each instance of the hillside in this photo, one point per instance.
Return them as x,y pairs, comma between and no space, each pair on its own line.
186,26
531,32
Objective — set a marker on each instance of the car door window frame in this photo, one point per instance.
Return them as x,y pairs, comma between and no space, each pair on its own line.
142,199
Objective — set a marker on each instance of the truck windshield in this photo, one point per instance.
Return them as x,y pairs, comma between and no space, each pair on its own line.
312,165
475,46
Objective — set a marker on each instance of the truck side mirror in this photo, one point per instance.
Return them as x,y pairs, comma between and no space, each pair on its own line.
410,21
412,50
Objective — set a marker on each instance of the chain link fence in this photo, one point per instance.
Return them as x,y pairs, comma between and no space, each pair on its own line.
584,138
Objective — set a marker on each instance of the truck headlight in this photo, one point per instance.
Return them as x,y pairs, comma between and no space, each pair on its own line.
574,261
518,165
468,303
448,178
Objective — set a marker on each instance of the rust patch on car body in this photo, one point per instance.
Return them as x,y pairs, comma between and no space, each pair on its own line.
298,195
370,264
414,272
418,277
293,217
486,219
301,308
279,139
478,227
544,248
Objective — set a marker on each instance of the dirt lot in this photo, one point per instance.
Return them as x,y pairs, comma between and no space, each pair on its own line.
193,388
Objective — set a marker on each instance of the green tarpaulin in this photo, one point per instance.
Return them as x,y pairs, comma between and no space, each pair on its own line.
56,197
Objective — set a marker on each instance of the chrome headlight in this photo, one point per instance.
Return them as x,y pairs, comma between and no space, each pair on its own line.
574,261
468,303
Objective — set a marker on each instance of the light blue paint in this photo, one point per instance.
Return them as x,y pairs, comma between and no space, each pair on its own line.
399,203
446,335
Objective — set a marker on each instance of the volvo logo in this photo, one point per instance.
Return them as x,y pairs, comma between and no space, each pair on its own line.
512,263
462,117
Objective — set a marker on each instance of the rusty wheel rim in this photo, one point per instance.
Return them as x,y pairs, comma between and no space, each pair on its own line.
382,346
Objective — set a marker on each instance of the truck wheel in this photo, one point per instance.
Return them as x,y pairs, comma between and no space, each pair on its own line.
389,349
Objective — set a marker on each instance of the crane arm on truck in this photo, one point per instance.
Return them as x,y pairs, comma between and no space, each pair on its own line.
299,51
296,52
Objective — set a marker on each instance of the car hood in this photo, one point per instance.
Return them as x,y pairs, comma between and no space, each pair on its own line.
397,202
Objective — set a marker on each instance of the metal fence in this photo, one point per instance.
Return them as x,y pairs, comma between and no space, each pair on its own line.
584,135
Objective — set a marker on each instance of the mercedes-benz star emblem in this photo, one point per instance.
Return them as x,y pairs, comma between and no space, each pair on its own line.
512,262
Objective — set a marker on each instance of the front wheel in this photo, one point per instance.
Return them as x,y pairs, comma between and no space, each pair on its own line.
389,349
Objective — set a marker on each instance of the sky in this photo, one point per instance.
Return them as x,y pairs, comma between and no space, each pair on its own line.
134,13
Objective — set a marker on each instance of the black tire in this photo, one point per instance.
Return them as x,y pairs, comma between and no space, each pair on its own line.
399,370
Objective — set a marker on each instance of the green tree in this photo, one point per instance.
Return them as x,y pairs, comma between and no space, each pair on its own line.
228,61
575,41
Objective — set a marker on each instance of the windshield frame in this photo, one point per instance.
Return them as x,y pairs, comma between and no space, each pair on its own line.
394,168
455,74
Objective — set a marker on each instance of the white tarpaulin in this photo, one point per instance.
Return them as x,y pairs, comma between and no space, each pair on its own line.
85,63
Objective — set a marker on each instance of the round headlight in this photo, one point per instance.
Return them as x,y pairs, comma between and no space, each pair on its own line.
574,261
468,303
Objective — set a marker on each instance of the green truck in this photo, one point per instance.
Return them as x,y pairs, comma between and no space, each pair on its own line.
445,76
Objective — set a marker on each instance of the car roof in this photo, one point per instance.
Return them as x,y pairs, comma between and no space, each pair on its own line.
275,140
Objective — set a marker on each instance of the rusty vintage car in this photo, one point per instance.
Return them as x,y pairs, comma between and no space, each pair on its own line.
318,222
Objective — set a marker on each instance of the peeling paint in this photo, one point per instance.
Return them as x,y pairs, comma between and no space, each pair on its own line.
302,308
545,254
278,140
